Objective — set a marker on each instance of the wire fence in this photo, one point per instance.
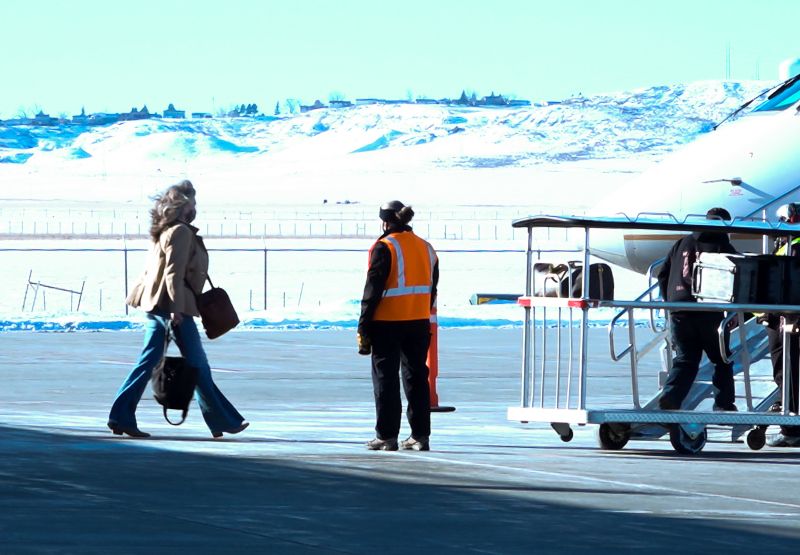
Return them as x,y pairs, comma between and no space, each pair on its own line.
256,279
432,230
332,212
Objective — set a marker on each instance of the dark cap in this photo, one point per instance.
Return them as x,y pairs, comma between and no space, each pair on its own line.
388,212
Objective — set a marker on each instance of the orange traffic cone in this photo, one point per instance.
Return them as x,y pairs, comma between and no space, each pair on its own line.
433,364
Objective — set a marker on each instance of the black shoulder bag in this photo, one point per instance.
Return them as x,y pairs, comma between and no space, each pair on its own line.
174,381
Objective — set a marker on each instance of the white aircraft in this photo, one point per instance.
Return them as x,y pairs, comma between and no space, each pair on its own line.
749,165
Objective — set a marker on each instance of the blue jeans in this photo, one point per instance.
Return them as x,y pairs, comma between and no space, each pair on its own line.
218,412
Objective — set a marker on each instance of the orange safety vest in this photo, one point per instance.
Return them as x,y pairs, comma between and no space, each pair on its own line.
407,293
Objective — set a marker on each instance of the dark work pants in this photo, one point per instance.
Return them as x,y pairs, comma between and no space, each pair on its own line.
776,355
692,334
401,346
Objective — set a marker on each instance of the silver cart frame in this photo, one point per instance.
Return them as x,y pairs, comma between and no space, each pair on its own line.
554,387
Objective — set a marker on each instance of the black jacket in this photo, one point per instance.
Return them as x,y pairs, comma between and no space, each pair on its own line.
772,319
675,275
380,265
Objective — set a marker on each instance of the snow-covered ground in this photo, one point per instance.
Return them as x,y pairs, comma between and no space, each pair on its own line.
331,168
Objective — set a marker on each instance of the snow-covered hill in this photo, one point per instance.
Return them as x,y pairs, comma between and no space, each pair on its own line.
367,151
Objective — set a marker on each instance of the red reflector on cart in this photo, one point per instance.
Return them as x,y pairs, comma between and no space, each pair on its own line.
583,303
555,302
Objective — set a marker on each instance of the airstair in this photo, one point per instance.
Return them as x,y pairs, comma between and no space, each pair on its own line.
743,345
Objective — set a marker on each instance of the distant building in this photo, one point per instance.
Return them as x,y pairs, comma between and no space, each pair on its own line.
81,119
171,112
363,101
403,101
316,106
102,118
18,121
198,115
135,114
340,103
495,100
427,101
518,102
43,119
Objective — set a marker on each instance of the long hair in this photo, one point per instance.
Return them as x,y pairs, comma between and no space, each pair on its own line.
168,207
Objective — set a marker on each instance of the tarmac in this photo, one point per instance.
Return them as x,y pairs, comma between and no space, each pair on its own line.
299,481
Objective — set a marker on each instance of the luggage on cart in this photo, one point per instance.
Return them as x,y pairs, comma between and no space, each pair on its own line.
738,278
566,280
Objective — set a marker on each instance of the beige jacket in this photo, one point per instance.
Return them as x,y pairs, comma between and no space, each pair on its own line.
178,257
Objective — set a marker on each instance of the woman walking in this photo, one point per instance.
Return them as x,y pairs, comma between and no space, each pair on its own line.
176,270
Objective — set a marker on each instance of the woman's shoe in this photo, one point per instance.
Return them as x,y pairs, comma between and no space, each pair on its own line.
132,432
233,431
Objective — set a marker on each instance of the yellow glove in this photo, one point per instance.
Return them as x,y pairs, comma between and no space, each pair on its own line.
364,345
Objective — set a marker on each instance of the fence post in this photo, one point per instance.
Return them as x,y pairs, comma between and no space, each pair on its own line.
125,250
265,279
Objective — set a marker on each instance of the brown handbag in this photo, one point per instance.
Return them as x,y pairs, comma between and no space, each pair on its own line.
216,311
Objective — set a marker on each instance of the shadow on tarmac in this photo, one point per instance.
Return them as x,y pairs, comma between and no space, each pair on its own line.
72,494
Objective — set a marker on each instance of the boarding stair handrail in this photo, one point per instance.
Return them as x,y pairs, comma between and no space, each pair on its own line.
631,349
753,346
655,327
636,354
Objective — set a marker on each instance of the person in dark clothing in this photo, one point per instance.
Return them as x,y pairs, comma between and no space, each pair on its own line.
789,436
694,332
395,328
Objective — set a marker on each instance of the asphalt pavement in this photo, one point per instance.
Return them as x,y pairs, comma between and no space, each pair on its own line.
299,480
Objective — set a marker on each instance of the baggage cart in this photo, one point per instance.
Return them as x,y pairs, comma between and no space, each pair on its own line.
555,349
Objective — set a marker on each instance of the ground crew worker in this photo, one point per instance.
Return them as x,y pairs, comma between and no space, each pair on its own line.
694,332
395,328
789,436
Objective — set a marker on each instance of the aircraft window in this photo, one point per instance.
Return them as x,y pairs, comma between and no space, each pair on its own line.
782,100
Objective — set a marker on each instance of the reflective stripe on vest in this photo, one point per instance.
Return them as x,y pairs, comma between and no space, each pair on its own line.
407,293
401,288
785,247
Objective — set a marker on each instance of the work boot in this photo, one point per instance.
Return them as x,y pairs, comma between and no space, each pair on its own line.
414,444
782,440
729,408
382,444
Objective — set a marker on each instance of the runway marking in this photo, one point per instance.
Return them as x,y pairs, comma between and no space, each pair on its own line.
591,479
615,482
128,363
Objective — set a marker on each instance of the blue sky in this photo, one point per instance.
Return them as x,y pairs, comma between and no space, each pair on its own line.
201,55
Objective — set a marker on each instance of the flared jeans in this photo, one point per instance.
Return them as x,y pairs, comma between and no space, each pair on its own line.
218,413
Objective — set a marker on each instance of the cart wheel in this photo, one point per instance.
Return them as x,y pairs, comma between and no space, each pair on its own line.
609,439
567,438
683,443
756,438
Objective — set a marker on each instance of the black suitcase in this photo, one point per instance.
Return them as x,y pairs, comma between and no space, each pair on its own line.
566,280
746,279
